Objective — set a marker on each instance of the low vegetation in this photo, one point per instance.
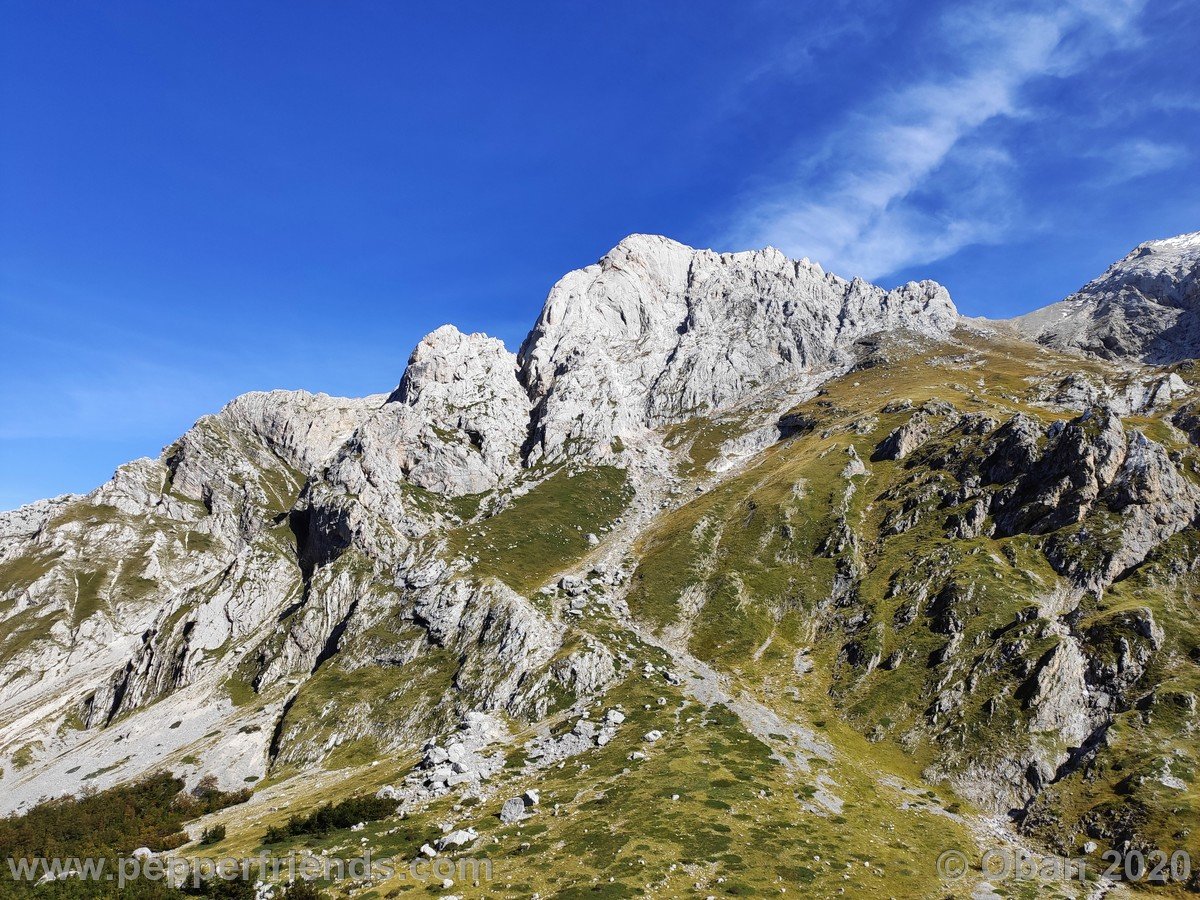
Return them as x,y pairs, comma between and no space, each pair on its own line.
148,813
332,817
108,825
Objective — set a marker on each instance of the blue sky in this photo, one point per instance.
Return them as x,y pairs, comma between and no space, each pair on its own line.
200,199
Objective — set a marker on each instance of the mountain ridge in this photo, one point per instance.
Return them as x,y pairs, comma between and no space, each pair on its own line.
1182,250
755,478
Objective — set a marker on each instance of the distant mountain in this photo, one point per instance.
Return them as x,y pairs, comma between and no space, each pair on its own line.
1145,307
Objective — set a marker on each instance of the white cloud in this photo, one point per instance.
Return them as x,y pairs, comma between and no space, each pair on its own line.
1175,102
1136,158
904,179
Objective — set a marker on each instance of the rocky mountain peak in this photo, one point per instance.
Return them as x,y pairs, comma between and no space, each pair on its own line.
454,425
1146,306
658,332
1156,268
446,362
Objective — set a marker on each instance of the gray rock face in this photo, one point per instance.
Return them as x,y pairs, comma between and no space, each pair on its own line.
1187,420
1080,460
1139,396
468,759
545,750
1145,307
454,426
1087,462
906,438
300,428
657,332
1059,697
519,639
457,420
139,588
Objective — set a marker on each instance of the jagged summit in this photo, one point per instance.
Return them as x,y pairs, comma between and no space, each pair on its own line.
652,333
1182,243
657,331
1145,307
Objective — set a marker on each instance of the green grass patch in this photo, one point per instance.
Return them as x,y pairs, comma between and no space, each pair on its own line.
544,530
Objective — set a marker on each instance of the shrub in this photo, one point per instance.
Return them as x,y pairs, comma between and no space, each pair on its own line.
331,817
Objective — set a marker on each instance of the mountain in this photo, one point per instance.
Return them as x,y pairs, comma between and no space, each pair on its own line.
738,576
1145,307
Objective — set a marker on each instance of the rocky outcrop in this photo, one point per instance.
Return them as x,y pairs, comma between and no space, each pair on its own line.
255,455
905,438
501,636
465,760
1140,395
1187,420
546,750
1059,696
1056,489
454,426
1059,478
930,419
657,332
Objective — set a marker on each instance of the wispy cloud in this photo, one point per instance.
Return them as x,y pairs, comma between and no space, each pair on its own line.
817,28
909,177
1140,157
1175,101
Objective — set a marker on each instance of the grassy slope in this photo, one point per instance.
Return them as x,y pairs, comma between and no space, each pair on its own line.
748,568
544,530
743,825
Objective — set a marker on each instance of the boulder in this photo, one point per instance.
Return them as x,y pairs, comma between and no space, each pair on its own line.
513,810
